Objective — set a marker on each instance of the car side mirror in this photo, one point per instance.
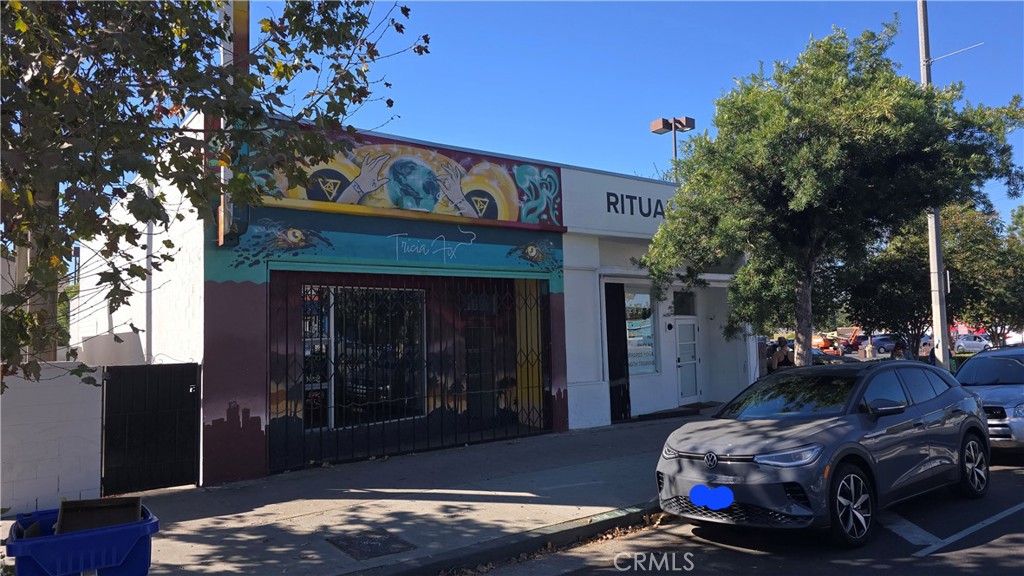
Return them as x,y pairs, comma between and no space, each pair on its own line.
885,407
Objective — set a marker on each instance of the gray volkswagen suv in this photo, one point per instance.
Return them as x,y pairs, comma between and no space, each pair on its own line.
827,446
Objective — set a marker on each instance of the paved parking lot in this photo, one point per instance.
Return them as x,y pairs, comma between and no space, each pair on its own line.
937,533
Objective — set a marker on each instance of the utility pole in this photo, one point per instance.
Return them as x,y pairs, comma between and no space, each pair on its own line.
940,328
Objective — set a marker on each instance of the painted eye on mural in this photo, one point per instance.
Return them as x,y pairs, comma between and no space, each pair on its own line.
532,252
294,236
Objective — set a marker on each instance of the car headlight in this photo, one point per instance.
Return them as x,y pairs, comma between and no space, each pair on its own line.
788,458
668,453
1018,411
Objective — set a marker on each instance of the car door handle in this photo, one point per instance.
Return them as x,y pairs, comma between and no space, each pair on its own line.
918,424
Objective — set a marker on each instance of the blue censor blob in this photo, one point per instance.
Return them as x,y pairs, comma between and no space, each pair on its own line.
713,498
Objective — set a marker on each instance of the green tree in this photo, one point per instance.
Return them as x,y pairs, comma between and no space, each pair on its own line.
95,94
815,163
893,295
1015,229
891,290
992,265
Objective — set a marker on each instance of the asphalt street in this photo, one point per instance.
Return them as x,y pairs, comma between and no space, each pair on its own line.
933,534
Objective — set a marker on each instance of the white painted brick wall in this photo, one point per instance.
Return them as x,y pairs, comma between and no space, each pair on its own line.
175,334
50,432
177,330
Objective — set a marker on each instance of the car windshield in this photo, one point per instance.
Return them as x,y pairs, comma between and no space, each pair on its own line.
791,394
991,370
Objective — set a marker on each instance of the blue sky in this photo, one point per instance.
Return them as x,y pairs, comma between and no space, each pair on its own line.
578,83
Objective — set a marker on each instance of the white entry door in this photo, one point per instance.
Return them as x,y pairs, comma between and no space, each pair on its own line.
687,360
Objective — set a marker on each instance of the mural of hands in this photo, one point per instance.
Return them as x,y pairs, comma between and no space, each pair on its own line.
450,182
367,181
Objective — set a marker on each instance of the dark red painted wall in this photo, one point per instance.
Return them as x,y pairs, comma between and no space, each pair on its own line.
559,380
234,382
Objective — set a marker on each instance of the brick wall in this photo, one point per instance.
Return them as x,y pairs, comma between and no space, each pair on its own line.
50,433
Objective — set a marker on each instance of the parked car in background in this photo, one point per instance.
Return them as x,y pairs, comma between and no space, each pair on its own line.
821,358
827,446
998,377
855,343
972,343
882,342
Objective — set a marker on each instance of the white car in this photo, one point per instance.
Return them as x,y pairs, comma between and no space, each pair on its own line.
972,343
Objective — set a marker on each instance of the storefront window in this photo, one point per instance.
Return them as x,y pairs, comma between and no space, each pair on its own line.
640,331
684,304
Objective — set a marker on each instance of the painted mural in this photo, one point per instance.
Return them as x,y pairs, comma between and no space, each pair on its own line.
386,174
449,218
278,235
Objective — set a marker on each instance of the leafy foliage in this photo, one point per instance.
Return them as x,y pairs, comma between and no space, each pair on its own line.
892,290
1015,229
992,267
812,166
95,95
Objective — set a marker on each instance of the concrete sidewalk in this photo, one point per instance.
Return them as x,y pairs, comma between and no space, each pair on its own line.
415,514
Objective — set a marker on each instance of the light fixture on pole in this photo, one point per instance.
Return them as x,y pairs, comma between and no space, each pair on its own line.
681,124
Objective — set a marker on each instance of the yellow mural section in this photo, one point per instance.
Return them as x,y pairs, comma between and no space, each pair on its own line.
390,176
529,368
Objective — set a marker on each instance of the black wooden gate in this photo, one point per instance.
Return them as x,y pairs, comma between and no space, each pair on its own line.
150,427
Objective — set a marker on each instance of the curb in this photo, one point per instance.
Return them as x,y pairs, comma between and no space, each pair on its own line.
667,414
511,546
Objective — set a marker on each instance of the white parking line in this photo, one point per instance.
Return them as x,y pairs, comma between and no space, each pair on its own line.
907,530
968,531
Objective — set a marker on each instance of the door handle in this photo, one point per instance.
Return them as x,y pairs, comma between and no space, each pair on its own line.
918,424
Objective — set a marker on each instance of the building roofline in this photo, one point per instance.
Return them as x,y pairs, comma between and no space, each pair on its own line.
188,118
513,157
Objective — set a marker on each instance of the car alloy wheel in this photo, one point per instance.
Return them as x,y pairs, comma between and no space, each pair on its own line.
851,506
974,468
960,349
881,349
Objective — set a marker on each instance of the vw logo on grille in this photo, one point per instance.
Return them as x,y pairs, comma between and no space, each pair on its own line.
711,460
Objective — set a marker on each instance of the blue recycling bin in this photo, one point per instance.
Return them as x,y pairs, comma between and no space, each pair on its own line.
118,550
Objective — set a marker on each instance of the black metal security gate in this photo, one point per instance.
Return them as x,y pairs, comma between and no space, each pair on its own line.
150,427
618,353
367,365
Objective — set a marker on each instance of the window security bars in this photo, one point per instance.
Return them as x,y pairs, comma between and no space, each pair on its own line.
392,364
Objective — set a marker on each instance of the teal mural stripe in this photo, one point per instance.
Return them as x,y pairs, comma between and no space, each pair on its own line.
321,241
306,266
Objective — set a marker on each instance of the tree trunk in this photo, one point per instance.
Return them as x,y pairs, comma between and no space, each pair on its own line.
43,303
804,318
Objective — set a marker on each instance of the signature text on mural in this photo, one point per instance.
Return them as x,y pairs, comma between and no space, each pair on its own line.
407,248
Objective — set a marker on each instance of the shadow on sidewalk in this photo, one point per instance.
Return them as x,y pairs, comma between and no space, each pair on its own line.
405,506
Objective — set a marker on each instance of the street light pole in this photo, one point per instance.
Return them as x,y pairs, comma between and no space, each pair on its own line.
681,124
675,144
940,327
